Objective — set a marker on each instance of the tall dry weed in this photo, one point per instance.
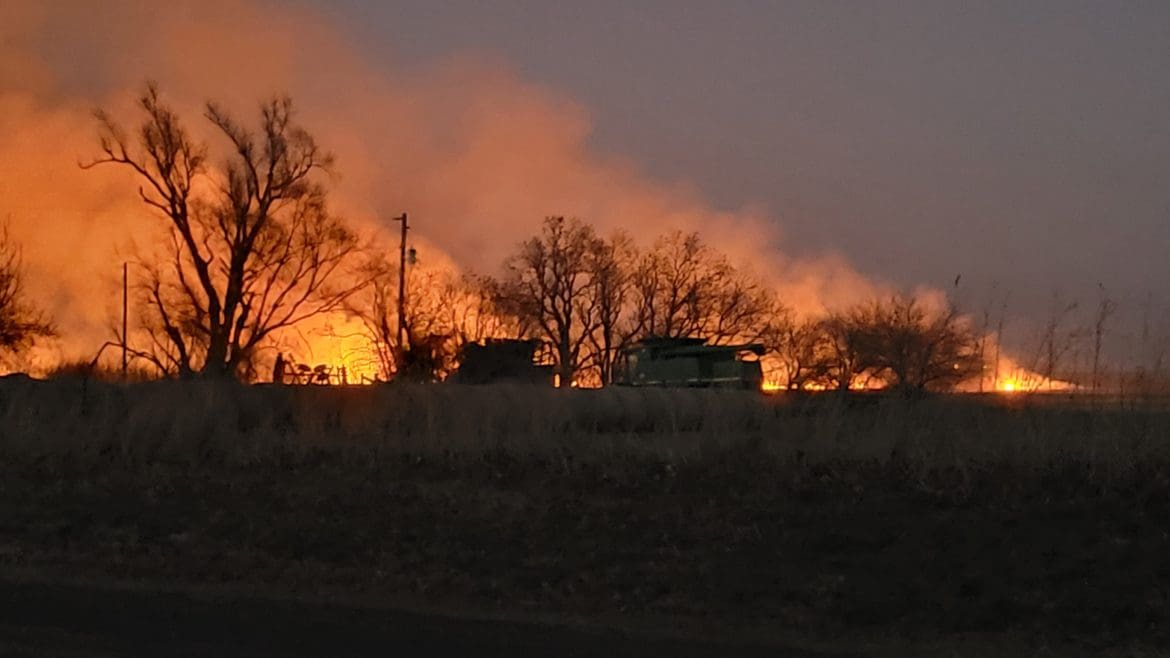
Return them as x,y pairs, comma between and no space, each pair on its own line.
197,421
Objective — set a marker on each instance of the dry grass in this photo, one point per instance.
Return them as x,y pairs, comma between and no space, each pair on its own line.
819,515
204,421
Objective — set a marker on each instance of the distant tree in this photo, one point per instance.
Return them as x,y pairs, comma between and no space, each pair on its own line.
1057,339
376,306
611,265
444,311
20,321
670,282
548,285
1105,309
251,248
849,349
914,349
805,350
736,307
897,341
476,310
589,297
683,288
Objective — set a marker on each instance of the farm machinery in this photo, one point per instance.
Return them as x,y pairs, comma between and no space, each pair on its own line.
689,362
502,360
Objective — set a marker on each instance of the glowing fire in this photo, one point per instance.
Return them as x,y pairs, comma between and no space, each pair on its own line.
1022,380
339,344
773,385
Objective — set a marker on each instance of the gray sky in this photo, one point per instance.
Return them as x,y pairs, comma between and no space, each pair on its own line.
1019,142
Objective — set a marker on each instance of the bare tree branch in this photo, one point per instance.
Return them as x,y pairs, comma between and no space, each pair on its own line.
257,254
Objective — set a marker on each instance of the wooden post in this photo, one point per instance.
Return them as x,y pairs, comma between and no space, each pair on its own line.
125,303
401,294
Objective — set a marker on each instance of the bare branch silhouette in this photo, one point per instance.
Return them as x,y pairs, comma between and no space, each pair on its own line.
21,322
258,253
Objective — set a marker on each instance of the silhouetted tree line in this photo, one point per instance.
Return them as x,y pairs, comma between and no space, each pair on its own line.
896,341
251,249
588,297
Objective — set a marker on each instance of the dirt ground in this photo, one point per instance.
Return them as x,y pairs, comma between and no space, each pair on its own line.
861,557
68,621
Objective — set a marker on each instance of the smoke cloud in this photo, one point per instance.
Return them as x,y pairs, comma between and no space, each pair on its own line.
475,154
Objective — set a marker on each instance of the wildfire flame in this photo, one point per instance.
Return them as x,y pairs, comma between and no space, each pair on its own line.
339,343
1029,382
1014,379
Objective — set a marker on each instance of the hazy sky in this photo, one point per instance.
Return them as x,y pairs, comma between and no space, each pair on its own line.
1019,142
1024,144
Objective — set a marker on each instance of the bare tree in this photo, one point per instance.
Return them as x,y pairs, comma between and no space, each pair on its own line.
20,322
252,251
548,283
1148,373
737,307
848,347
806,350
669,283
1105,309
1002,318
684,288
431,339
476,310
897,341
1055,341
984,336
611,277
589,297
916,350
444,311
377,309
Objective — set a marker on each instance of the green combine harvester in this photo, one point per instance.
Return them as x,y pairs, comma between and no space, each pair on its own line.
690,362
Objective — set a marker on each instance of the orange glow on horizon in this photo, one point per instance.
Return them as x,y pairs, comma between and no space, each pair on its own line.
1023,381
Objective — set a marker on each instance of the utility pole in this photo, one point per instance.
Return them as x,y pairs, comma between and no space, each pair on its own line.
401,290
125,295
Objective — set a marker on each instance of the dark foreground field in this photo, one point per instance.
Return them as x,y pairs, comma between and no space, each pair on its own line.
72,620
890,527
